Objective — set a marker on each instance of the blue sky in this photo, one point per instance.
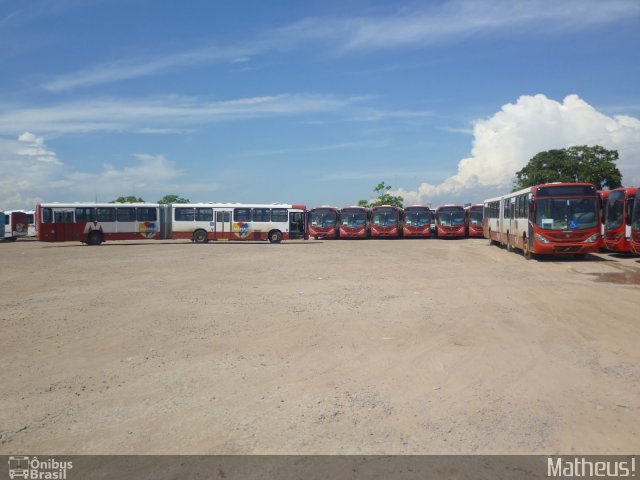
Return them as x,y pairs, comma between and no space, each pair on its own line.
307,102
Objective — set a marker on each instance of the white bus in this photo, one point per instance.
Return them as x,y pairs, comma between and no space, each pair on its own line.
94,223
201,222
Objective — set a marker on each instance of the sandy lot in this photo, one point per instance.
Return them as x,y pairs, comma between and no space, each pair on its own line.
318,347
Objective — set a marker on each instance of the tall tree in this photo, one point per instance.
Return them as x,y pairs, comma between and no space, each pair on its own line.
384,197
173,199
129,199
593,164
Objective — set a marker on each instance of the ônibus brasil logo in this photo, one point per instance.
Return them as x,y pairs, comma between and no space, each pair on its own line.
33,468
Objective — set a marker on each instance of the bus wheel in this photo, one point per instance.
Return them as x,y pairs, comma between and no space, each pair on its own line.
200,236
94,238
491,240
275,236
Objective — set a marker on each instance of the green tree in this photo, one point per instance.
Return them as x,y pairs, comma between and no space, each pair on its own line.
129,199
384,197
173,199
574,164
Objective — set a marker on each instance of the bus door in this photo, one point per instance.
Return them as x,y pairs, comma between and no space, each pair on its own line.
296,225
64,226
222,228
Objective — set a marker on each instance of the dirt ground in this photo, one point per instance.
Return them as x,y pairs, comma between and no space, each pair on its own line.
317,347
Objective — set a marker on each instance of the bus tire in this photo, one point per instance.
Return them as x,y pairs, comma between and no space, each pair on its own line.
275,236
200,236
94,238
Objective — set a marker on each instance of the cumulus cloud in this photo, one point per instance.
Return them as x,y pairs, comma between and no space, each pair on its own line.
36,149
505,142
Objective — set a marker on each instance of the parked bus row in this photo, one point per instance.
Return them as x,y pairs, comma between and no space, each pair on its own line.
555,218
564,218
414,221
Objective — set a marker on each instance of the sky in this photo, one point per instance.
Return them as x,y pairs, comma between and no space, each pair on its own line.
307,102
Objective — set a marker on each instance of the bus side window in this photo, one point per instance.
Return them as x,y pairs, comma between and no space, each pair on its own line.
47,216
241,214
126,214
146,214
85,214
279,215
184,214
106,214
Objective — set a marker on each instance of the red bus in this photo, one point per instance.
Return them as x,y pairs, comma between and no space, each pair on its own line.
94,223
473,220
16,225
548,219
450,221
355,222
635,226
324,222
386,221
617,222
417,221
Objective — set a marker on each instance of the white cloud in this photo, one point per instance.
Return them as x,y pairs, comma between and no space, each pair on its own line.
504,143
456,20
33,173
36,149
167,112
435,23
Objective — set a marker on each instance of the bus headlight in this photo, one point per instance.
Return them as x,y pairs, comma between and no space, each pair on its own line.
541,239
593,238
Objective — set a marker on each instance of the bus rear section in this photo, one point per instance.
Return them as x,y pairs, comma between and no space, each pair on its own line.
355,222
94,223
386,221
16,225
635,227
450,221
473,220
205,222
417,222
618,216
324,222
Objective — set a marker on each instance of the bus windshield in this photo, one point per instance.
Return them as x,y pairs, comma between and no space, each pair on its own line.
615,209
417,218
566,213
475,217
451,218
385,218
353,219
323,218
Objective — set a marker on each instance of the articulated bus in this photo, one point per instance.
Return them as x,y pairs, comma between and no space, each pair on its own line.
617,221
450,221
93,223
417,221
386,221
324,222
635,226
548,219
355,222
15,225
473,220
